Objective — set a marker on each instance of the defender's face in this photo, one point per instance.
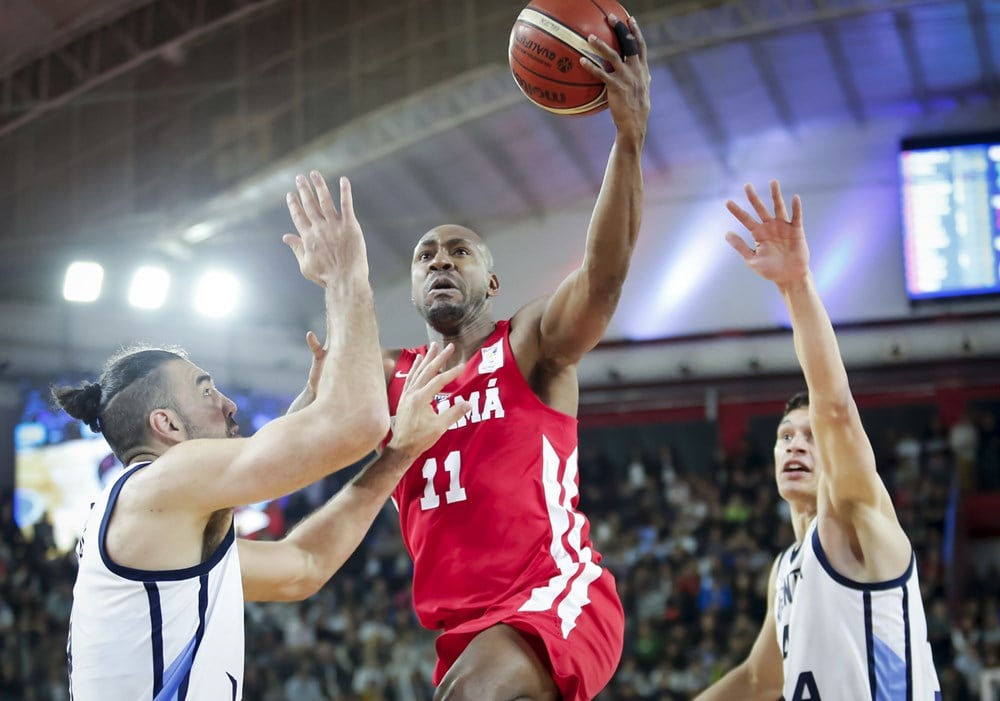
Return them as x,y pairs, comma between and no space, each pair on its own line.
796,460
206,412
450,274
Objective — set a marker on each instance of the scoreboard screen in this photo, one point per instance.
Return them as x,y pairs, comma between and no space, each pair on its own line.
950,192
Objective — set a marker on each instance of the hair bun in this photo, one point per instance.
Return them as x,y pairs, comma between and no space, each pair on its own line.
90,405
82,402
92,393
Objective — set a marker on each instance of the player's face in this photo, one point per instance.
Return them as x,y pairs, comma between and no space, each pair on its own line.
796,461
205,411
450,276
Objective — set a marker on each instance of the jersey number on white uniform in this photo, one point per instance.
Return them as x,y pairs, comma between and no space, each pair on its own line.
456,492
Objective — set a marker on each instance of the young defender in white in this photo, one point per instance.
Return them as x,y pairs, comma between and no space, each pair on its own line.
158,602
845,620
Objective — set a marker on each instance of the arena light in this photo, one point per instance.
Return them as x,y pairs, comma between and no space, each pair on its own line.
83,281
215,294
149,287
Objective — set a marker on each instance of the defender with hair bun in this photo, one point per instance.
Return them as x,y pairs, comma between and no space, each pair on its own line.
158,601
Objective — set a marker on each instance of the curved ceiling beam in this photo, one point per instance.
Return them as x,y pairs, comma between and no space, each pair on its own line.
102,54
670,34
683,30
365,140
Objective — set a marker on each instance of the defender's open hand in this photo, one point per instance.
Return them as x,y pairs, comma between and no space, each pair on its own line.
780,253
329,244
418,425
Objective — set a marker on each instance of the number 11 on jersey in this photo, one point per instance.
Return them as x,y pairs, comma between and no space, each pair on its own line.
456,492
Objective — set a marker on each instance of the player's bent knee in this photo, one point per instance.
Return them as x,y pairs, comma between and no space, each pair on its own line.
499,664
478,688
460,689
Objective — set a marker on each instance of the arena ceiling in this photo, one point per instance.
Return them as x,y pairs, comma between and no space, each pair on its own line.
169,131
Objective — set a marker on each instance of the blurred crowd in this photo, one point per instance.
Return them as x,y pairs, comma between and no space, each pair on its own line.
690,545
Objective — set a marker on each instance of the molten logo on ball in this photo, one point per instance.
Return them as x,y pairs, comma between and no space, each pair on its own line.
547,42
537,93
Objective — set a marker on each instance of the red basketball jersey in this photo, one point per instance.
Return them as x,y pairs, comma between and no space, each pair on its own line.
489,512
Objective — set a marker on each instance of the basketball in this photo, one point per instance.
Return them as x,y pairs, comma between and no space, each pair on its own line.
546,43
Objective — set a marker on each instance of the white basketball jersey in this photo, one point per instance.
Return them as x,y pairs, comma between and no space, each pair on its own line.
843,640
172,635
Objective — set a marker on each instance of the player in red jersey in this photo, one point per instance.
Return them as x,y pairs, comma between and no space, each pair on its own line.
503,562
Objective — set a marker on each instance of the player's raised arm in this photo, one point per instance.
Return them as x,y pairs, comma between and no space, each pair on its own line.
781,255
348,415
577,315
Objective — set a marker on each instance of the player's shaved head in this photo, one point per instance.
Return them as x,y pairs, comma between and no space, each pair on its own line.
456,232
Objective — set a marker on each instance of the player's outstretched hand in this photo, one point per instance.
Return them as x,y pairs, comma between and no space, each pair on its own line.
780,253
418,425
329,245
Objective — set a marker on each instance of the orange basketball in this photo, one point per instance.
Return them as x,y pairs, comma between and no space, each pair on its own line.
546,43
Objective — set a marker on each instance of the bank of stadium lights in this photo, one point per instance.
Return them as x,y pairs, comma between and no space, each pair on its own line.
83,281
215,294
149,287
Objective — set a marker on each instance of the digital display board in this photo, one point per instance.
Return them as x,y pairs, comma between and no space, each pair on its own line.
950,191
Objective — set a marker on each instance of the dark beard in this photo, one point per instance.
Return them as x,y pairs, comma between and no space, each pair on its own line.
196,431
189,428
445,316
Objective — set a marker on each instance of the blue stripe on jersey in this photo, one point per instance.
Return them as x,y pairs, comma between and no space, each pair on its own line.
232,680
155,634
906,644
177,672
199,634
891,673
869,642
178,675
